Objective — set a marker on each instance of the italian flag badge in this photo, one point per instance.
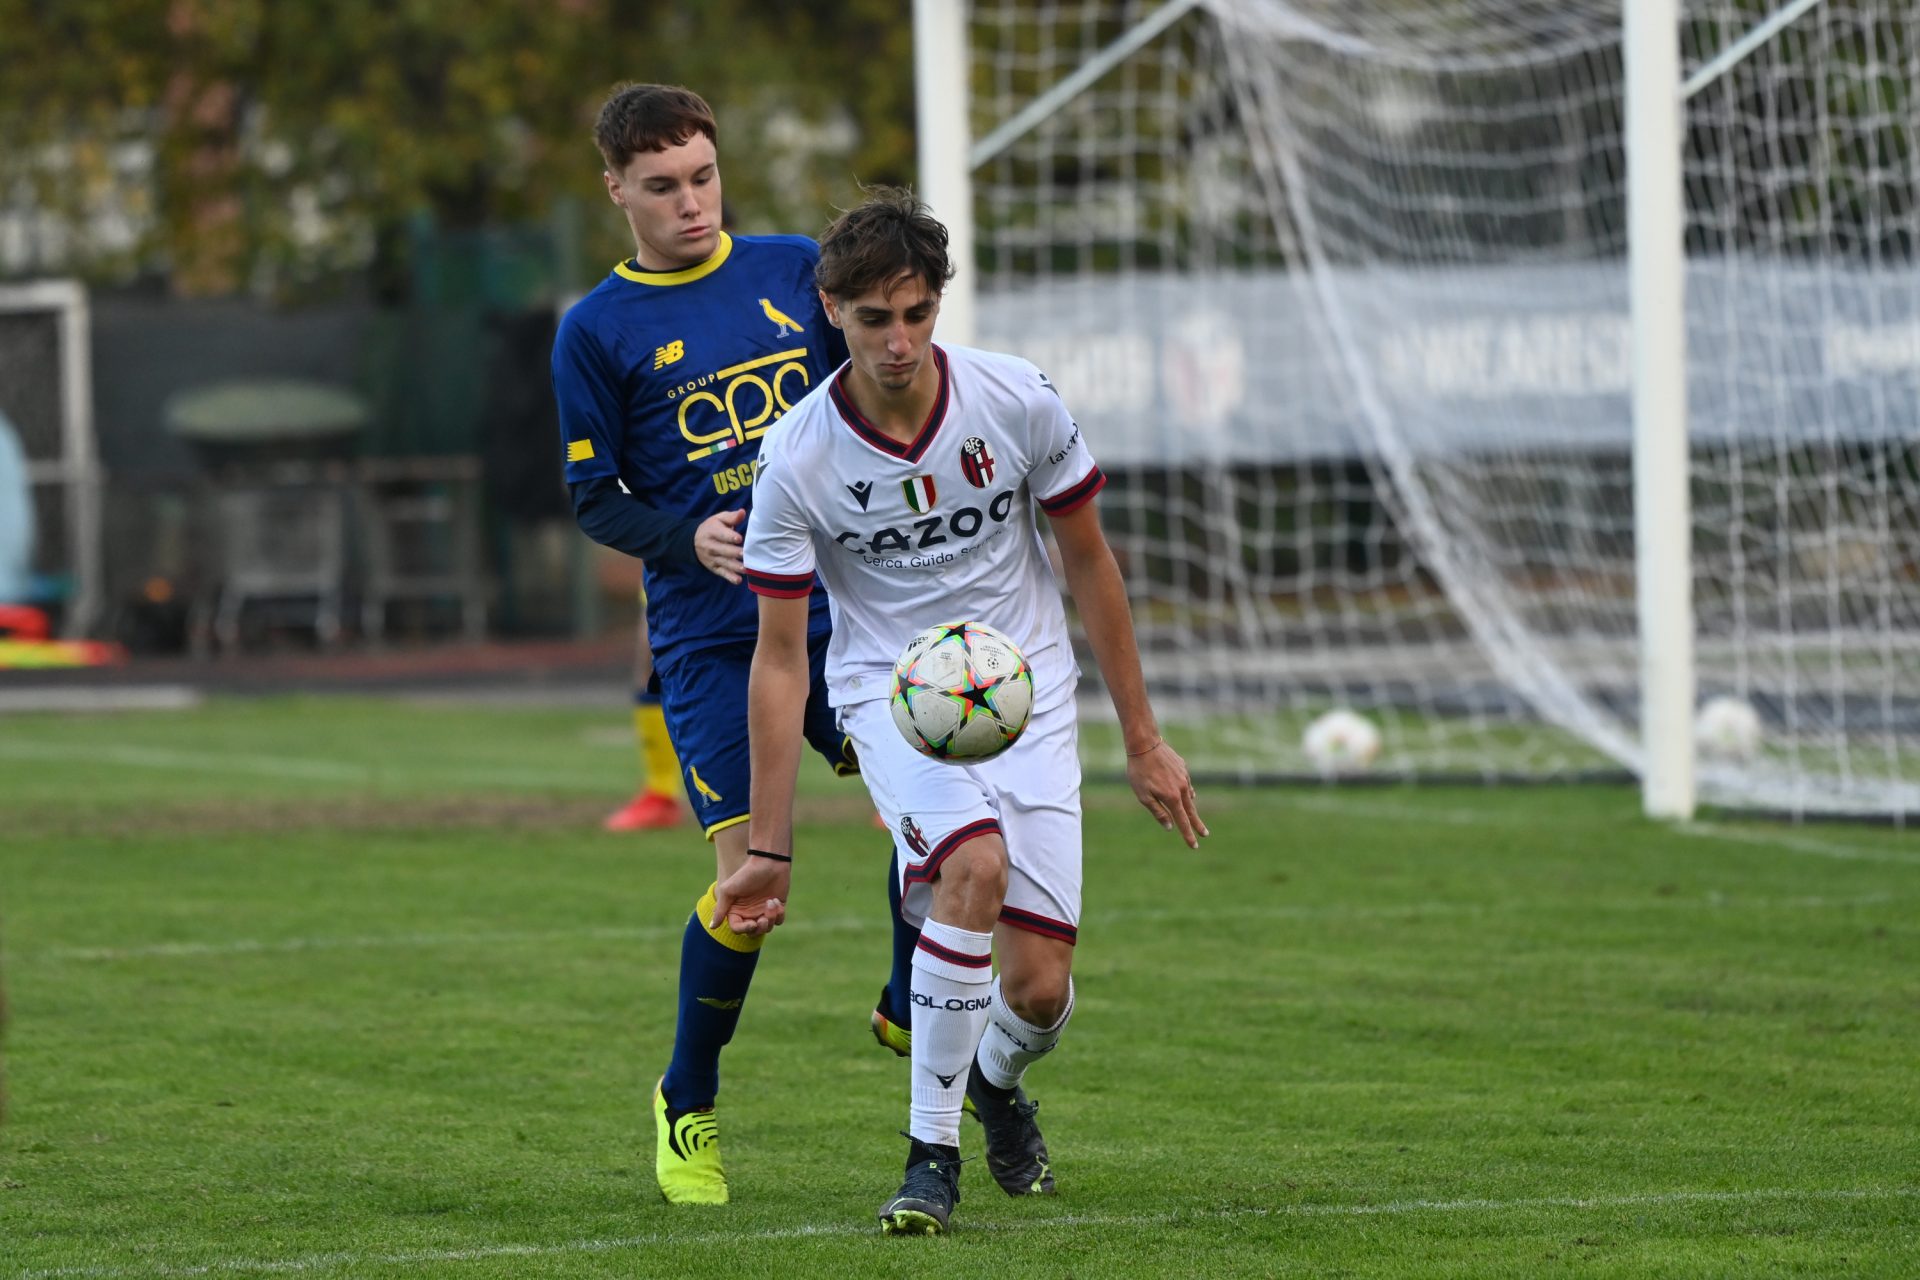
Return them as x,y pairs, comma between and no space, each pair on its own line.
919,491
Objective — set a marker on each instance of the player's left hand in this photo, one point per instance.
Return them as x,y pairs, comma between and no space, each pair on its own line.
1160,781
719,545
753,900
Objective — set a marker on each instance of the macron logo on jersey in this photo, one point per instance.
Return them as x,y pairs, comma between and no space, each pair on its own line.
861,491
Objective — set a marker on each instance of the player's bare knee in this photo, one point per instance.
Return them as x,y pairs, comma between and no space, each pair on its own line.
971,885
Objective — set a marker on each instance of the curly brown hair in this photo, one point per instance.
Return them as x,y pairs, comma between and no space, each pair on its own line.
890,234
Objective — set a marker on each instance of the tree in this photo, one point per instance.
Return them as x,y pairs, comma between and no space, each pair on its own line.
236,143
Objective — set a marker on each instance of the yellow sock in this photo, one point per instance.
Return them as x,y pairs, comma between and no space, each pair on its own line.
723,932
659,766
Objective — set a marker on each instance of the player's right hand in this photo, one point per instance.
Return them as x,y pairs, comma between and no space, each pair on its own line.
753,900
1161,782
719,545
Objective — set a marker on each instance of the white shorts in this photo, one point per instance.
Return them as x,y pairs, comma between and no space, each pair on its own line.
1030,795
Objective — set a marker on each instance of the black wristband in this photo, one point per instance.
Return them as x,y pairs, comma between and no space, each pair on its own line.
777,857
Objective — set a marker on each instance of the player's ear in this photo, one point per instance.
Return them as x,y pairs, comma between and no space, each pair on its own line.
828,305
613,187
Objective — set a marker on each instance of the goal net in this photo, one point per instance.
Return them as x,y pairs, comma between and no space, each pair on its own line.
46,400
1339,290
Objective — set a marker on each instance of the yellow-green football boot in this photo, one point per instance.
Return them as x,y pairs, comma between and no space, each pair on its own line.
887,1032
686,1156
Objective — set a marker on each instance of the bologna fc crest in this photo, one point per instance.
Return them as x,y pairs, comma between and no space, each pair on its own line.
920,493
915,838
976,463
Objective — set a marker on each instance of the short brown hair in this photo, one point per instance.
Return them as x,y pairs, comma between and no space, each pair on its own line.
890,234
649,117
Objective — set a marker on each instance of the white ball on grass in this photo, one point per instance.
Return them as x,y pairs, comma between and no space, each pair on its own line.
1341,742
1727,728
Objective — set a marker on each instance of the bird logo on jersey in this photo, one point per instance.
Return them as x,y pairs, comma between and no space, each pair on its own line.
786,323
707,794
976,464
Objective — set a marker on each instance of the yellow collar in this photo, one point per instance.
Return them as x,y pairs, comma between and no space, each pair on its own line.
685,275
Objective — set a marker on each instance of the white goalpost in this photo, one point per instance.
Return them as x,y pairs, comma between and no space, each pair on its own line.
46,396
1516,373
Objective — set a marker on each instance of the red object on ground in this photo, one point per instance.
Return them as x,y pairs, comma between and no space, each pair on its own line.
23,622
648,811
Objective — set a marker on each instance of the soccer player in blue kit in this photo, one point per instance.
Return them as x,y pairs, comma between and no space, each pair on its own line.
667,375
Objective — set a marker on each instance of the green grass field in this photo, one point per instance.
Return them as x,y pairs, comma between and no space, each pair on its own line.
357,988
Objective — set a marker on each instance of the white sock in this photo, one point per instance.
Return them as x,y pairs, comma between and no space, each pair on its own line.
952,970
1011,1044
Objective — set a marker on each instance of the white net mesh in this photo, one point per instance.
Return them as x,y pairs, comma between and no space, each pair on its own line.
1339,289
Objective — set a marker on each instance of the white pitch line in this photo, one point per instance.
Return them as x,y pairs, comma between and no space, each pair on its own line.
1403,812
318,1262
1799,844
303,768
848,924
363,942
1789,841
188,761
295,768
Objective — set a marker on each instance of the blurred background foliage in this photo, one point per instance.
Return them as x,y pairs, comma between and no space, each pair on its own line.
294,150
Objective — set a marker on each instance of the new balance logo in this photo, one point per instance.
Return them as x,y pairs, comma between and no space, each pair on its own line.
861,492
946,1082
669,354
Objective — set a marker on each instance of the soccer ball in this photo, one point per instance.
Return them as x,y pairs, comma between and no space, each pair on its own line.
961,692
1341,741
1727,728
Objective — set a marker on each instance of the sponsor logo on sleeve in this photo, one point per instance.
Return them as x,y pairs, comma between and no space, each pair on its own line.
1073,442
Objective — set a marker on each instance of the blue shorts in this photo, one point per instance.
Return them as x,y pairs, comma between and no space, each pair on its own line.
704,697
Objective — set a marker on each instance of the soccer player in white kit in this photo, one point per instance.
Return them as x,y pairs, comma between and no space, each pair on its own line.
908,483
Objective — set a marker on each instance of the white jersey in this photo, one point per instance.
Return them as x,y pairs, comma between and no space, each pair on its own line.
938,530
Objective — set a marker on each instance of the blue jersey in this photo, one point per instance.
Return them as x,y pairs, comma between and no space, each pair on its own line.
668,380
